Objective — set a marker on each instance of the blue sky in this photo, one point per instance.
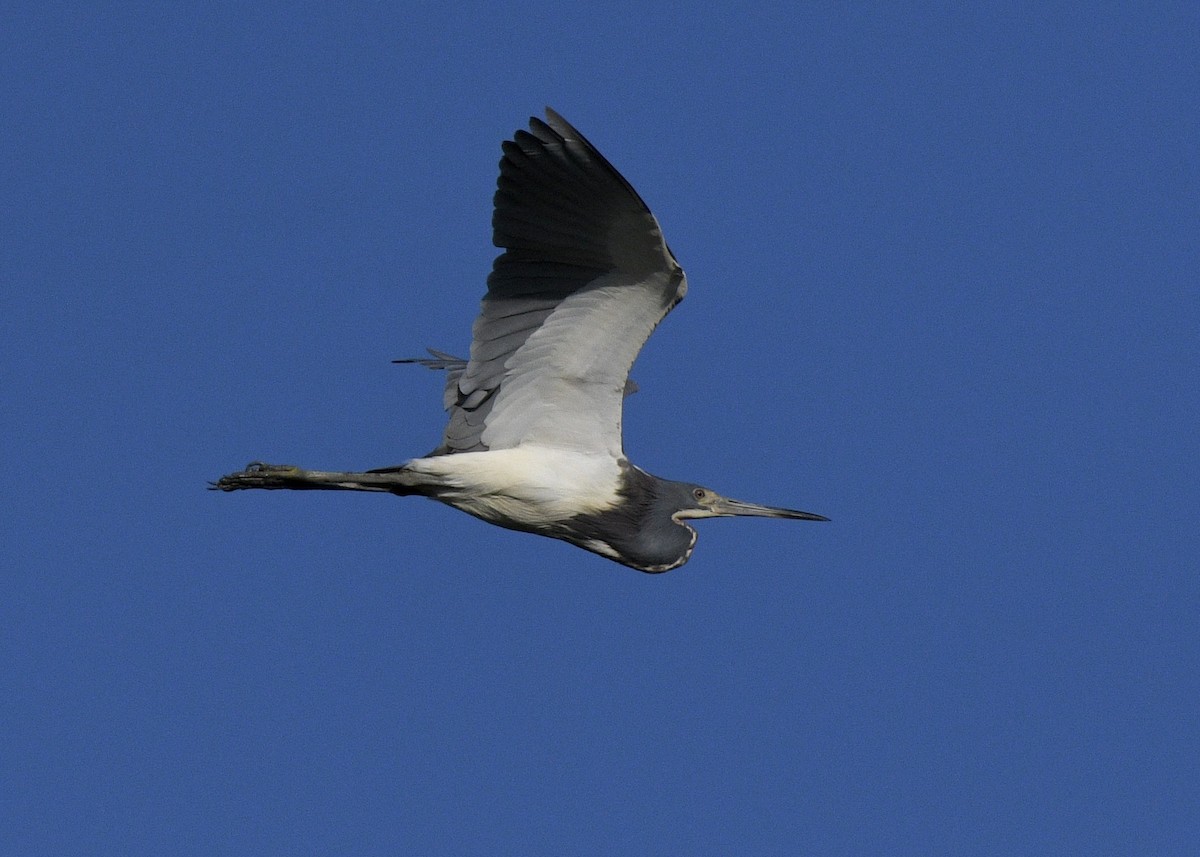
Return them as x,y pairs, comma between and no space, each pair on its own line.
943,266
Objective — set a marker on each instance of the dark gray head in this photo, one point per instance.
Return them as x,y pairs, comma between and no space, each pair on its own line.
647,529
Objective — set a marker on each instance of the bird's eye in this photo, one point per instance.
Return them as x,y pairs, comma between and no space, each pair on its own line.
698,493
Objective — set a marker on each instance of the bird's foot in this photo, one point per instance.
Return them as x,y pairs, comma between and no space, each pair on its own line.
258,475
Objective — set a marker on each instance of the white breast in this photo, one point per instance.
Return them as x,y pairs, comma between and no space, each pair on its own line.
524,485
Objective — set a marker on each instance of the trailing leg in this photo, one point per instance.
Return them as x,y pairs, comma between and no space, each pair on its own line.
276,476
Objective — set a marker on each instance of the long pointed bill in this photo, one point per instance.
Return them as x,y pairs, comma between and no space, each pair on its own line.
725,506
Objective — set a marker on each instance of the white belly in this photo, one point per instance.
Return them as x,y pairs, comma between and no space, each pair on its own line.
524,486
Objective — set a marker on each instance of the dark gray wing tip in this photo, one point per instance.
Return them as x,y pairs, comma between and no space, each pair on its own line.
560,128
438,360
559,125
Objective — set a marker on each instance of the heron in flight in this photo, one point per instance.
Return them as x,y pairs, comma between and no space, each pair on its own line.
534,437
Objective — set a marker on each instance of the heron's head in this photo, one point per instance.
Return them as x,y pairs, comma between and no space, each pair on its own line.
647,528
696,501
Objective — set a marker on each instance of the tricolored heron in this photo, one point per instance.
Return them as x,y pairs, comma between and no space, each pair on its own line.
534,438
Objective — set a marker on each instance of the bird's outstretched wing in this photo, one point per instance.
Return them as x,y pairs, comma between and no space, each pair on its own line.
584,278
